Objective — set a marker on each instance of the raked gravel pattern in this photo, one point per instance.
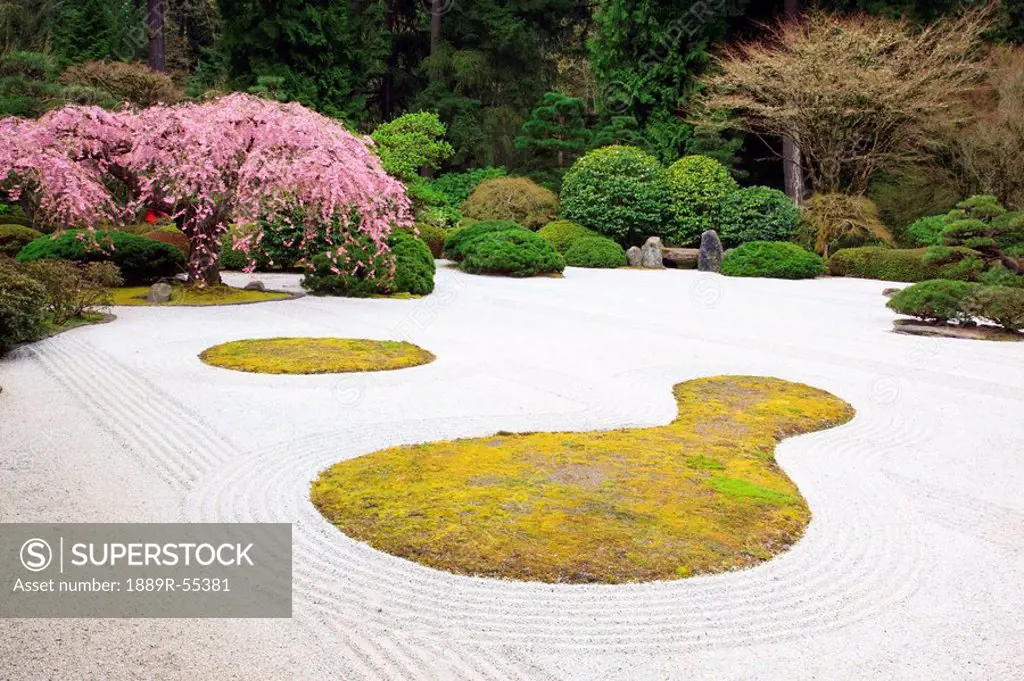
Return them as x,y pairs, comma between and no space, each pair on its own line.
912,566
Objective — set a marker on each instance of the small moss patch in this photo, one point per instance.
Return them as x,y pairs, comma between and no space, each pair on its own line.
315,355
186,296
700,495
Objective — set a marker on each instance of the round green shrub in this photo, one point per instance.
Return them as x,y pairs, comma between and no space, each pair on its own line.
564,233
22,307
414,265
13,238
900,264
512,198
773,259
757,214
512,252
140,260
925,231
1002,305
621,192
939,300
457,239
699,187
595,251
432,236
361,271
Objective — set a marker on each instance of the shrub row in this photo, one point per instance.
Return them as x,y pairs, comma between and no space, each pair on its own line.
943,301
502,247
774,259
140,260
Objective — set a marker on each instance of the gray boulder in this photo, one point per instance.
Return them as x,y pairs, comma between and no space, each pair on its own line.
255,285
635,256
651,253
710,257
680,258
160,292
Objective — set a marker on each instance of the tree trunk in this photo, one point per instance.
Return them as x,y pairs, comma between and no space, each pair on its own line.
436,11
792,163
157,42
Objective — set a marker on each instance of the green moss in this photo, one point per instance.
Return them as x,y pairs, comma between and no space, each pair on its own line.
315,355
700,495
188,296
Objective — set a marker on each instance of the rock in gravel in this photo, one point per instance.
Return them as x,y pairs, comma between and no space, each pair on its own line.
651,253
890,292
635,256
160,292
680,258
710,257
255,285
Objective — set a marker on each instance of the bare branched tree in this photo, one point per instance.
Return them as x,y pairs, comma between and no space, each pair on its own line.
860,93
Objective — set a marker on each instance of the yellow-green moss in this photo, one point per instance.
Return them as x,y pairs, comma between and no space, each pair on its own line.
700,495
315,355
189,296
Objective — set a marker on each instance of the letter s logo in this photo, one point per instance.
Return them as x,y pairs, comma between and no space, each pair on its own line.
36,555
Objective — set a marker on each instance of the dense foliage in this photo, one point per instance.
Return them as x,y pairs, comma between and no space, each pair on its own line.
457,187
511,252
410,143
414,265
833,221
940,300
15,237
700,186
562,234
517,199
757,214
140,260
887,264
22,307
621,192
772,259
458,240
595,251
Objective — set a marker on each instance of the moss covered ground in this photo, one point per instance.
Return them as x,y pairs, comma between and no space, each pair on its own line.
187,296
315,355
702,494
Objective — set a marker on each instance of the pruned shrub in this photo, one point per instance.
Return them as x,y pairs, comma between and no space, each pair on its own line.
757,214
432,236
621,192
140,260
512,198
891,264
772,259
700,185
834,221
133,83
13,238
22,307
595,251
74,290
1002,305
414,265
1001,276
511,252
562,234
939,300
360,271
13,214
458,239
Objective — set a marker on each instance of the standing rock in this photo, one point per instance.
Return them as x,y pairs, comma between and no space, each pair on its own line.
710,257
255,285
160,292
651,251
635,256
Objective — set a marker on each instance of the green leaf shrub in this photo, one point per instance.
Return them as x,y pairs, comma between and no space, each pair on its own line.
772,259
458,186
1001,305
620,192
595,251
459,239
513,253
925,231
564,233
699,186
74,290
411,142
757,214
414,265
939,300
140,260
512,198
22,307
900,264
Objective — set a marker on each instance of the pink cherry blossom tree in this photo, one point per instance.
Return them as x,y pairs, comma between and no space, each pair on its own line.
236,161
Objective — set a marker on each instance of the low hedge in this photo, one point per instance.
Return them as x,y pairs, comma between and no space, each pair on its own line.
170,234
511,252
564,233
908,265
22,307
595,251
457,240
13,238
140,260
772,259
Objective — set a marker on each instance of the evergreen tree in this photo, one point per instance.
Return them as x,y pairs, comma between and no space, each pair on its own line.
556,126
